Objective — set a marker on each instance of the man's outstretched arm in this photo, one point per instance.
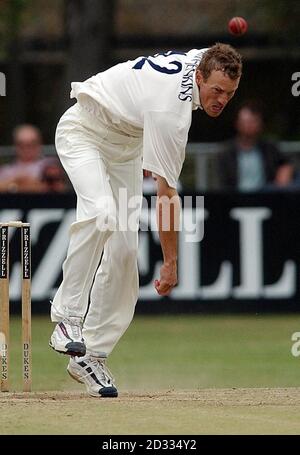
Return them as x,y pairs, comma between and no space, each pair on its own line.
168,215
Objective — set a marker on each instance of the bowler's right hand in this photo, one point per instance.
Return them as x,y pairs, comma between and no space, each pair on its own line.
168,279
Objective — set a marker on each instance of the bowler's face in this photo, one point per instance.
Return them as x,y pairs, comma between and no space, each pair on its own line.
216,91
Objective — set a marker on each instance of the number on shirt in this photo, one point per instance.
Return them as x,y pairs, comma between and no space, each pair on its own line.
162,69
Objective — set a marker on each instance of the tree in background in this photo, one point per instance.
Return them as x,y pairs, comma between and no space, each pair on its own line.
89,28
88,37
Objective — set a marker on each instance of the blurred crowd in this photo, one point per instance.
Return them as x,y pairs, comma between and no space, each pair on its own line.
30,171
248,162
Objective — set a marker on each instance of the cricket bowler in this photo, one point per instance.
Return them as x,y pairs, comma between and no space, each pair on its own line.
134,116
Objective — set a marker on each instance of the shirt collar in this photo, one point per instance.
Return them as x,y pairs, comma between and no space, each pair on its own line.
196,95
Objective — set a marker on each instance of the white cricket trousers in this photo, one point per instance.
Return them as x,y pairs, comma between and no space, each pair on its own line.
100,276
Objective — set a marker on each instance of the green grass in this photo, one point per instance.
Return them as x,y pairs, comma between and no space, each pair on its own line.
178,352
176,375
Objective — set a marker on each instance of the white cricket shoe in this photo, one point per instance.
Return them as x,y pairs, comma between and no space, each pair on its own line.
67,337
93,372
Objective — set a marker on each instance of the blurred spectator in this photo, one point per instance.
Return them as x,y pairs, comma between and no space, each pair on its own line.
24,174
287,178
250,163
54,178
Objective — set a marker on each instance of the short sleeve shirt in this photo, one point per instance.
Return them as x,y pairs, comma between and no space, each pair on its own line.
156,94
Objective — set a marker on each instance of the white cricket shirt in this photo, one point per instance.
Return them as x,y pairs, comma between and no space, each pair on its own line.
157,95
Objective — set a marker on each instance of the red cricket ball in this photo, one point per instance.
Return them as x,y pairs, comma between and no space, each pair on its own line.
237,26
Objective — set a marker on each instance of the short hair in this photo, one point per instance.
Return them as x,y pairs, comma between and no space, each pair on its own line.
24,126
256,107
221,57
